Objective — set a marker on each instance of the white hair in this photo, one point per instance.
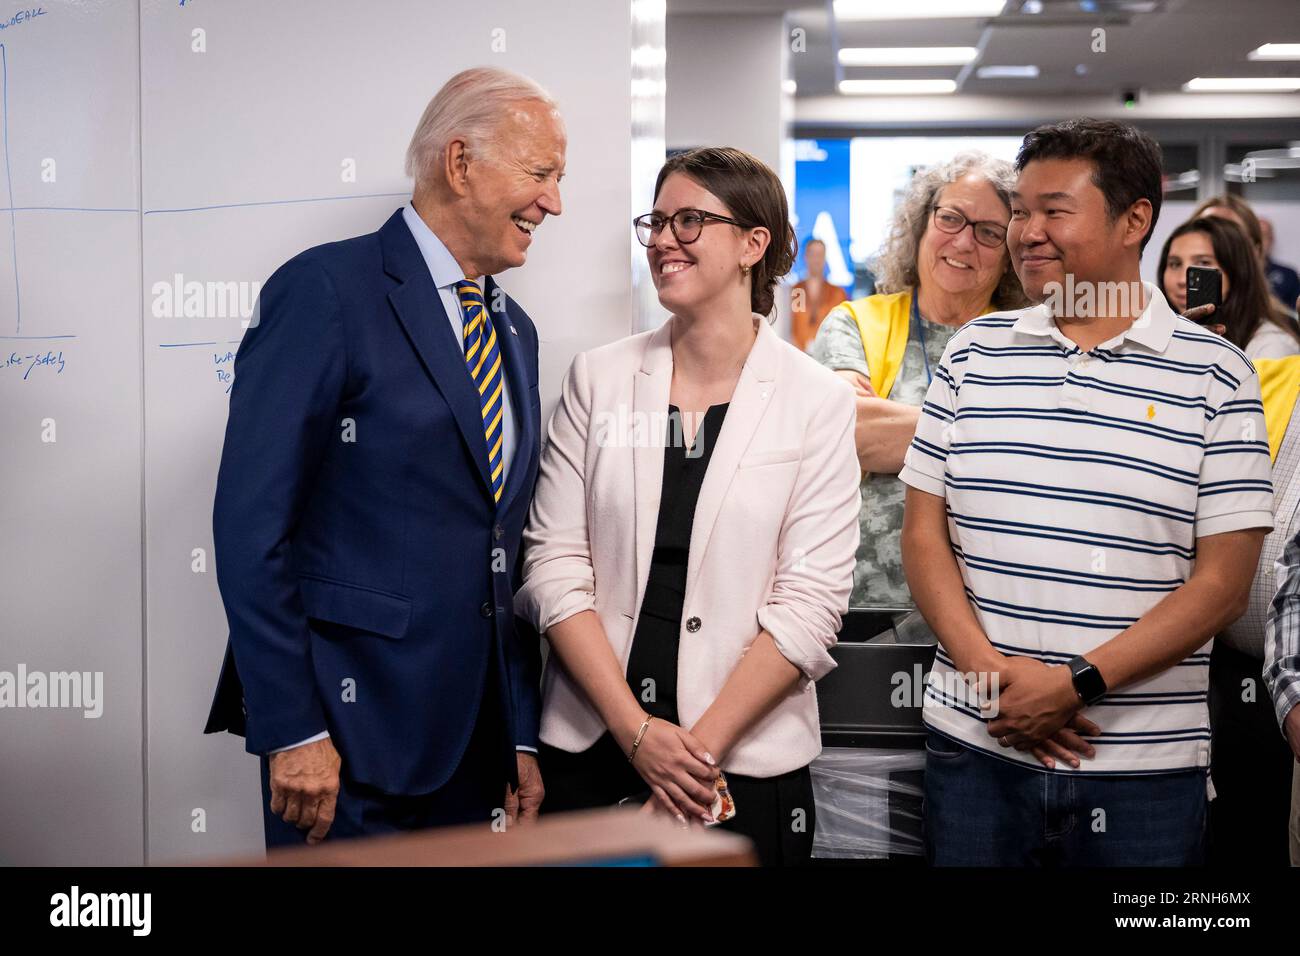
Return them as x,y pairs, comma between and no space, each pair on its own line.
895,266
470,106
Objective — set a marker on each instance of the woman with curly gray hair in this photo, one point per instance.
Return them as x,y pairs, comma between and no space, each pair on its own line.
945,262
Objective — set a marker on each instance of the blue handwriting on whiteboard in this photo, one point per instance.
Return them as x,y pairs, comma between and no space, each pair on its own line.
22,16
28,362
224,376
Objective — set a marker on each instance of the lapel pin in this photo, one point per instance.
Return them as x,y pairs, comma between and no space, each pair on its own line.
513,330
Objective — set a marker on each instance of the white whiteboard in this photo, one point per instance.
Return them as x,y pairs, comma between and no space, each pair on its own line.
70,568
184,157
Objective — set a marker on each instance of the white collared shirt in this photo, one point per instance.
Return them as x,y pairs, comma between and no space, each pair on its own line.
1077,484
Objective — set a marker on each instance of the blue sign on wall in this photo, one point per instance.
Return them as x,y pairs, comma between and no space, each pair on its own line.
821,204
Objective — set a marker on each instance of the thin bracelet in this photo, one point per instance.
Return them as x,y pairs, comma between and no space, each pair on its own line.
637,743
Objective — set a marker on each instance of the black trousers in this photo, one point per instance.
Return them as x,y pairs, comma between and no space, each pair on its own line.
776,813
475,793
1250,765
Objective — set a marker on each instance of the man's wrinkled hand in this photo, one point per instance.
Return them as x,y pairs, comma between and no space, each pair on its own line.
522,804
305,787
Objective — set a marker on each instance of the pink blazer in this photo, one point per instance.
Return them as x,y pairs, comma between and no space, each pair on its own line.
772,544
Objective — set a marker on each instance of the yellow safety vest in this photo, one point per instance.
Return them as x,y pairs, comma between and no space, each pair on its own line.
883,322
1279,384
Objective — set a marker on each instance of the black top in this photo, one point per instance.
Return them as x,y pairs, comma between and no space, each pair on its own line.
652,662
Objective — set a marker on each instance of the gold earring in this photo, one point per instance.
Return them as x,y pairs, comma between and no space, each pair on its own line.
744,269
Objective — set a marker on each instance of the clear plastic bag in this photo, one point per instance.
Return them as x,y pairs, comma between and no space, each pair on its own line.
868,803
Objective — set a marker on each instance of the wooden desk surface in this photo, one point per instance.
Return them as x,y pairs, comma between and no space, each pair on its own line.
593,837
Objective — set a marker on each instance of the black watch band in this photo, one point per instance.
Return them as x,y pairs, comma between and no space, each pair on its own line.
1088,682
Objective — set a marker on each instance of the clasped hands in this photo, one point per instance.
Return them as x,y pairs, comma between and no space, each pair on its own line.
1034,707
678,769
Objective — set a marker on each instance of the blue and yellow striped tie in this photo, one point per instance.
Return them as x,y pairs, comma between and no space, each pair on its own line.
484,361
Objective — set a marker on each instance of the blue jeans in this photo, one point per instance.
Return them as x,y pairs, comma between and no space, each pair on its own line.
982,810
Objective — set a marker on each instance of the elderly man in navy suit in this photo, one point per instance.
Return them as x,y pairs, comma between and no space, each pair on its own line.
379,460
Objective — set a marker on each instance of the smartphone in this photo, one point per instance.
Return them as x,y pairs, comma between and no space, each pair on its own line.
1203,288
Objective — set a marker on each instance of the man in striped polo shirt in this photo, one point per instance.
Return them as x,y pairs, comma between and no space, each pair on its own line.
1088,492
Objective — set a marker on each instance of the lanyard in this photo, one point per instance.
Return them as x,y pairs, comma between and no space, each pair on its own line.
918,332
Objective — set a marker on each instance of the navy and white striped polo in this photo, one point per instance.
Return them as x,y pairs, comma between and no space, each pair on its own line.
1077,484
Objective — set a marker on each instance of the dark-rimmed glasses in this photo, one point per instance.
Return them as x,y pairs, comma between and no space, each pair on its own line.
987,232
686,224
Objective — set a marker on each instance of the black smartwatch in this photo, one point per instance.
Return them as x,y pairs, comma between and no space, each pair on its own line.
1088,682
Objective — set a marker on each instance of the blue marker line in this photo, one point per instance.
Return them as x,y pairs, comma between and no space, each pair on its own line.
275,202
63,209
37,337
13,225
183,345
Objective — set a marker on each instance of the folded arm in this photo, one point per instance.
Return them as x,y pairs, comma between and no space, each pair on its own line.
884,430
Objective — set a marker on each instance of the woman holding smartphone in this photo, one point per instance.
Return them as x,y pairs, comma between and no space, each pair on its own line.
1246,311
690,547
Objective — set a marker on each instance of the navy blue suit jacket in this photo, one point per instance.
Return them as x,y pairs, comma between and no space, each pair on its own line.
366,572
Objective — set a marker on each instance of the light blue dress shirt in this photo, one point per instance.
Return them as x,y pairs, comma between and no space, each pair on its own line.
446,273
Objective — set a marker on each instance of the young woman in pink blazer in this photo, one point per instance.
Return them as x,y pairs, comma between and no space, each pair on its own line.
690,547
